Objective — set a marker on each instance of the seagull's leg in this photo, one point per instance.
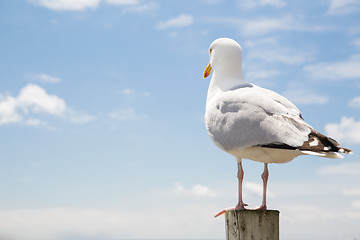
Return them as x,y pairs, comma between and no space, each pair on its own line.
240,175
264,176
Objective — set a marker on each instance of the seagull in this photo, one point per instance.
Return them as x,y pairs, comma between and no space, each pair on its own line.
255,123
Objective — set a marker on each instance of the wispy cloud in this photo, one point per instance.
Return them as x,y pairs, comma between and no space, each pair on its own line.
78,117
351,192
347,69
344,168
140,8
198,190
356,42
210,2
127,92
339,7
33,100
303,96
60,221
126,114
270,50
43,77
256,189
249,4
35,122
67,5
132,94
183,20
264,25
355,102
356,204
130,6
281,55
261,74
259,42
347,131
97,223
122,2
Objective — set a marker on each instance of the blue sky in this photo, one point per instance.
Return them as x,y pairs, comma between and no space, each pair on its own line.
101,116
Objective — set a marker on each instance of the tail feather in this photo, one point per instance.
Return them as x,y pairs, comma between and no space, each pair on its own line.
317,144
320,143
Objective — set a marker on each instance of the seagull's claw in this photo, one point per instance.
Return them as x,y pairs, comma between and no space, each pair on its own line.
262,207
223,211
238,207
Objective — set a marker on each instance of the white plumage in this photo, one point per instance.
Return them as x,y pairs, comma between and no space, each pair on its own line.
251,122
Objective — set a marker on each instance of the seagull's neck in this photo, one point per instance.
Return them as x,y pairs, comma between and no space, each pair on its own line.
221,82
226,80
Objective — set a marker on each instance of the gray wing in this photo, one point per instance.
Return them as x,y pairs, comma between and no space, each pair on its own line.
252,116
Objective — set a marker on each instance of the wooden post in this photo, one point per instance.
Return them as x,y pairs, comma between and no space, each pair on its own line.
252,225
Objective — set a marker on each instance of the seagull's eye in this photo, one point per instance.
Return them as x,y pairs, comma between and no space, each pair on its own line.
210,50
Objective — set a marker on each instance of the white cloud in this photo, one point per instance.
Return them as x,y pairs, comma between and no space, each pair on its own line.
32,100
131,6
355,102
261,74
67,5
46,78
210,2
259,42
248,4
348,130
340,223
356,204
302,204
202,191
344,168
183,20
131,93
127,92
347,69
126,114
253,188
179,189
34,122
97,223
139,8
198,190
302,96
77,117
8,112
55,223
352,192
256,189
269,50
356,42
282,55
36,99
122,2
337,7
263,25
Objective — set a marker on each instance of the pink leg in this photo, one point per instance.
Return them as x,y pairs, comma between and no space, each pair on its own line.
264,176
241,204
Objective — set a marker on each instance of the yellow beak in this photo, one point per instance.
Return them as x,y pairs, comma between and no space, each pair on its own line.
207,71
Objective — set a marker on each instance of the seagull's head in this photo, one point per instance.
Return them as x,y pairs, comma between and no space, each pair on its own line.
225,57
